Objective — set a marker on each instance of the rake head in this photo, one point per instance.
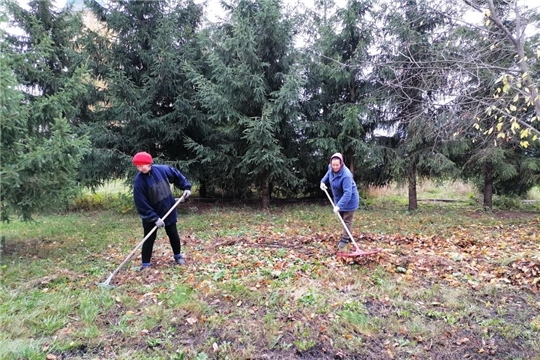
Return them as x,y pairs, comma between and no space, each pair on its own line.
357,252
105,286
107,283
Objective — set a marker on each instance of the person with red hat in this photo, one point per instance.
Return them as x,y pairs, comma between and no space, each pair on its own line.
344,191
153,199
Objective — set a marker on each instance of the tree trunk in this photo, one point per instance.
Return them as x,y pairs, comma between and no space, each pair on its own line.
411,177
265,194
203,189
488,187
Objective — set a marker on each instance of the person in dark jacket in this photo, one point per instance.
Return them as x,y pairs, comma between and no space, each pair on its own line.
153,199
344,191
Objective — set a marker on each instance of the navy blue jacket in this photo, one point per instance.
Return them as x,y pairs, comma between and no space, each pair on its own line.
344,189
152,193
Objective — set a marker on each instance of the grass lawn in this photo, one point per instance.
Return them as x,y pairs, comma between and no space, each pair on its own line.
451,282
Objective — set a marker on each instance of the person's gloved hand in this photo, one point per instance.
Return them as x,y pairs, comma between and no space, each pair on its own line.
187,193
324,187
336,209
160,223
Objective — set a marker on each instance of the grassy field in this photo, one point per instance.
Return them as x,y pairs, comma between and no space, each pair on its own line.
451,282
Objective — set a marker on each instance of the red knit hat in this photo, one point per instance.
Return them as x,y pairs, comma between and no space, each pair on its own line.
142,158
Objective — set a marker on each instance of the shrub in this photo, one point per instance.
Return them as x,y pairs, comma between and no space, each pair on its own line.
120,202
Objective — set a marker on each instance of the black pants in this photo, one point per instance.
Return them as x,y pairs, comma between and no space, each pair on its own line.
148,246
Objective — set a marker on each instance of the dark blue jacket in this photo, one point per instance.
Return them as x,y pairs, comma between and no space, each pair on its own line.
152,193
343,187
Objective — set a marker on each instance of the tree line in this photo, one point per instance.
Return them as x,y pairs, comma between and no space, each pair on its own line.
254,103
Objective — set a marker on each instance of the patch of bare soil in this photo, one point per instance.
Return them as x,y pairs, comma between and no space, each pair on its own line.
505,214
28,248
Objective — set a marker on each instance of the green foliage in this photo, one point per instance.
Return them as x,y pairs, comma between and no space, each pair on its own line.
121,202
244,111
504,202
248,91
336,100
521,175
45,173
534,193
141,98
412,86
263,160
40,151
497,160
513,171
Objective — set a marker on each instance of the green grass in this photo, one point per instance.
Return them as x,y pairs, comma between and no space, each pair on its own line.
267,283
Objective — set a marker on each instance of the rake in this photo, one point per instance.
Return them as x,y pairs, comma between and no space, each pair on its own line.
107,283
357,251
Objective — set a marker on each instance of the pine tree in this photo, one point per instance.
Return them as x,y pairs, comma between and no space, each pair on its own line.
415,85
336,96
249,93
142,100
39,87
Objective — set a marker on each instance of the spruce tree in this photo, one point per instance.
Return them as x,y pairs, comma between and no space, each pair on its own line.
142,100
40,85
412,97
248,93
336,97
